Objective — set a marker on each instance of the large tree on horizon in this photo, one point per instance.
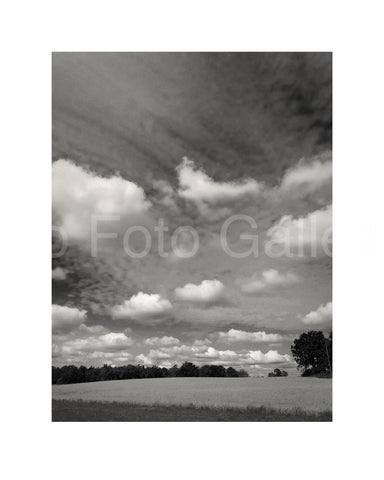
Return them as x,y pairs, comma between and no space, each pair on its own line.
313,353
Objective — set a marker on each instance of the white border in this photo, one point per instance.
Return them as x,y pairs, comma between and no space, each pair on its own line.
34,447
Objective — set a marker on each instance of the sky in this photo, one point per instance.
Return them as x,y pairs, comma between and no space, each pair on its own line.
152,151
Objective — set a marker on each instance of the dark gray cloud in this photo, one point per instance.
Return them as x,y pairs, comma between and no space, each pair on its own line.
127,111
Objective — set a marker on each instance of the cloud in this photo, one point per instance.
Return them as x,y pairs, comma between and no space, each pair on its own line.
166,194
78,194
81,331
312,180
163,341
90,345
142,306
218,355
59,273
65,319
207,354
202,342
272,356
322,315
143,360
209,292
111,358
307,179
86,331
194,353
109,342
197,187
234,335
268,279
312,230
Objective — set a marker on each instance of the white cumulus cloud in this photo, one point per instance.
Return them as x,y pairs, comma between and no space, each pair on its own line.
202,342
207,293
309,179
268,279
206,354
323,314
59,273
197,187
109,342
272,356
90,345
78,194
144,360
65,319
312,230
161,341
142,306
234,335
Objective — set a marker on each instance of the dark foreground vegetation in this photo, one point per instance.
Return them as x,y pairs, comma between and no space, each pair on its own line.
93,411
73,374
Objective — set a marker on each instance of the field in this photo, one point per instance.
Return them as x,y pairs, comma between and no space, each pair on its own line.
178,398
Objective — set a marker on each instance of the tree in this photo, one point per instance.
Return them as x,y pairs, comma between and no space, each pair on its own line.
173,371
205,371
56,374
313,353
188,369
217,371
154,372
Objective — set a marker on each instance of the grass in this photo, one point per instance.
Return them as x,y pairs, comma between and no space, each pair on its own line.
96,411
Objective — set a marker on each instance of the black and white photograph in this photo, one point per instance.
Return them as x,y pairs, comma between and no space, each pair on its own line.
192,240
192,236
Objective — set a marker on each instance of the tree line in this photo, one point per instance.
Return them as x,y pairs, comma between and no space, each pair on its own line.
73,374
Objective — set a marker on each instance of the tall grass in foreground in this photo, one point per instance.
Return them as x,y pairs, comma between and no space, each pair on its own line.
96,411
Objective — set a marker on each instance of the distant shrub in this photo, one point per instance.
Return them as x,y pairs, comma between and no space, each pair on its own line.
278,373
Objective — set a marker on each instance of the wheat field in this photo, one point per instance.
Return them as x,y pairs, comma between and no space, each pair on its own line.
310,394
